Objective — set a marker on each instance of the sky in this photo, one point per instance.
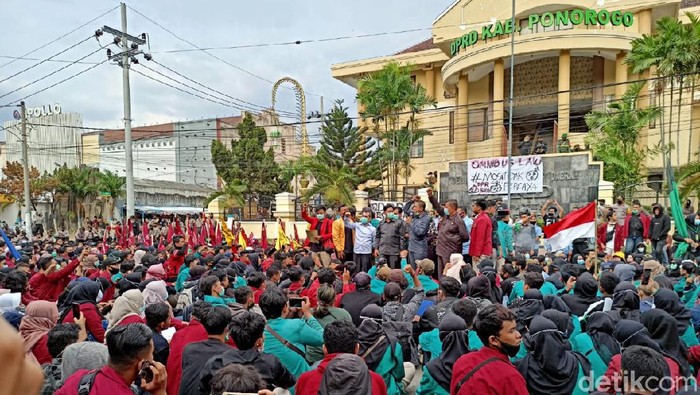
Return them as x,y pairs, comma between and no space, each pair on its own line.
97,94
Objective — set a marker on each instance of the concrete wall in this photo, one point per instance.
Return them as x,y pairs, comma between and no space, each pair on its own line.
90,149
154,159
193,154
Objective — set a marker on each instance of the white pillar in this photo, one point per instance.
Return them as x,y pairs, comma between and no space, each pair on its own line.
285,206
361,200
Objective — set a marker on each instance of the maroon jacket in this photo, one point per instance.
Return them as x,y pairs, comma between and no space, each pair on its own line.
326,234
619,241
93,321
484,381
481,242
646,222
49,286
194,332
310,382
107,381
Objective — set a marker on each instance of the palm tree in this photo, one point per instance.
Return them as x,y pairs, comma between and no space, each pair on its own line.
79,184
688,177
336,185
113,184
614,134
389,97
233,195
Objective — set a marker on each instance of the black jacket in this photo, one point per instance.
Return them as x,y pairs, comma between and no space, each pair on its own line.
660,225
354,302
270,368
194,356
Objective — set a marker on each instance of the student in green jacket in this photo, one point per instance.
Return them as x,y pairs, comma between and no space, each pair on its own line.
380,279
381,352
213,291
505,235
597,342
532,281
686,286
668,301
287,338
190,262
437,374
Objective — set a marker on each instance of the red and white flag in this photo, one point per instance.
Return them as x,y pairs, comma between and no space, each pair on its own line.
578,223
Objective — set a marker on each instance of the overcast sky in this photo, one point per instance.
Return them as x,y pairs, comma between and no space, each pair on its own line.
97,94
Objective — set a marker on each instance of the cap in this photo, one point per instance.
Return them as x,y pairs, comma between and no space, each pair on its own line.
381,261
383,273
362,279
398,277
426,265
620,254
607,266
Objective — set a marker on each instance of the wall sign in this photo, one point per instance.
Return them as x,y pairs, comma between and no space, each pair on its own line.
378,207
586,17
38,112
490,176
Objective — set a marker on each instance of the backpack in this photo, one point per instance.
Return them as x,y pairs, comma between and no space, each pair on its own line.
53,378
403,332
188,296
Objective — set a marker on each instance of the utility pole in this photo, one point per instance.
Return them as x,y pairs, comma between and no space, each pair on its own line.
123,59
25,171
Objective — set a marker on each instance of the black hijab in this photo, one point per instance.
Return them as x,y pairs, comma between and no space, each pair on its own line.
555,302
346,374
480,287
663,329
585,292
626,301
455,343
668,301
550,367
633,333
369,331
561,320
496,293
85,292
528,309
600,327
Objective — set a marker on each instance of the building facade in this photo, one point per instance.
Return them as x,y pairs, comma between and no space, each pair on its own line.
568,60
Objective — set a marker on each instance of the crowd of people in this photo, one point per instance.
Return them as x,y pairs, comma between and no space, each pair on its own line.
455,300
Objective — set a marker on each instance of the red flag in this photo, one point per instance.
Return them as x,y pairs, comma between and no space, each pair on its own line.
296,233
131,238
146,236
218,235
263,236
578,223
104,239
161,246
205,233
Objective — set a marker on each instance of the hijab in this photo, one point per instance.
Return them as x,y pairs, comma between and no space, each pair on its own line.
663,329
496,293
138,255
84,292
528,309
156,271
10,301
585,292
626,301
561,320
480,287
555,302
455,343
155,292
40,316
550,367
369,331
128,304
668,301
633,333
346,374
600,327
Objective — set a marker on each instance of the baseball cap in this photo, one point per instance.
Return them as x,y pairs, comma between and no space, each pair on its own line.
426,265
607,266
620,254
362,279
383,273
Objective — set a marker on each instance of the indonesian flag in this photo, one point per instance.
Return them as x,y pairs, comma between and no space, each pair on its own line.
579,223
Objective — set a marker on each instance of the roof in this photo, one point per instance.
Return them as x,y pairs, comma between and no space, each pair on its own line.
138,133
690,3
421,46
171,188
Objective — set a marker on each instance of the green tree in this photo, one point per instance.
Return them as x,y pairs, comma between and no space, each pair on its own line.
114,184
79,184
233,194
12,184
344,145
247,163
336,184
392,100
613,138
674,52
688,177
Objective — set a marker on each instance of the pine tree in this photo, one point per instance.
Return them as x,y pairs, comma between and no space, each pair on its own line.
343,145
247,163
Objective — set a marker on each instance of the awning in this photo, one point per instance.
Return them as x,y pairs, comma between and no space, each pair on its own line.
173,210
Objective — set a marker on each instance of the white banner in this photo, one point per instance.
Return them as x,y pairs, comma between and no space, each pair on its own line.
489,176
377,207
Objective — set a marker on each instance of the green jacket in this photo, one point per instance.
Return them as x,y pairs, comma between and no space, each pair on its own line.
583,343
689,295
519,290
218,301
430,342
428,385
181,277
391,370
689,337
301,333
377,286
315,353
505,236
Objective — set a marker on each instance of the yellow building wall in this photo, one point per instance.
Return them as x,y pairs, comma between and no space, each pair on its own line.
90,150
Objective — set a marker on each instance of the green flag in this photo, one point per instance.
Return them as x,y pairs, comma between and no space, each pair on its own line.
677,213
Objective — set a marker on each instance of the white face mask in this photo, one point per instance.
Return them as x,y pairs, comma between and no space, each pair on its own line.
99,297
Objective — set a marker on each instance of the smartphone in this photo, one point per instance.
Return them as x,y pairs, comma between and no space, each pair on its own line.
295,302
646,275
145,373
76,311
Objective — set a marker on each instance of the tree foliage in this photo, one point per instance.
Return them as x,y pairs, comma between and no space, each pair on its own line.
614,135
12,184
391,100
688,177
343,145
336,184
247,163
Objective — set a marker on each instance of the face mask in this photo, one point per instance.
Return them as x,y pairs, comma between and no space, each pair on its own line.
635,212
641,249
509,349
221,292
581,262
527,256
697,221
320,217
99,297
533,222
113,271
337,216
364,221
447,212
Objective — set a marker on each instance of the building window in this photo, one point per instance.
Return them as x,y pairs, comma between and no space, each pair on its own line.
478,125
417,149
413,79
284,145
452,127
